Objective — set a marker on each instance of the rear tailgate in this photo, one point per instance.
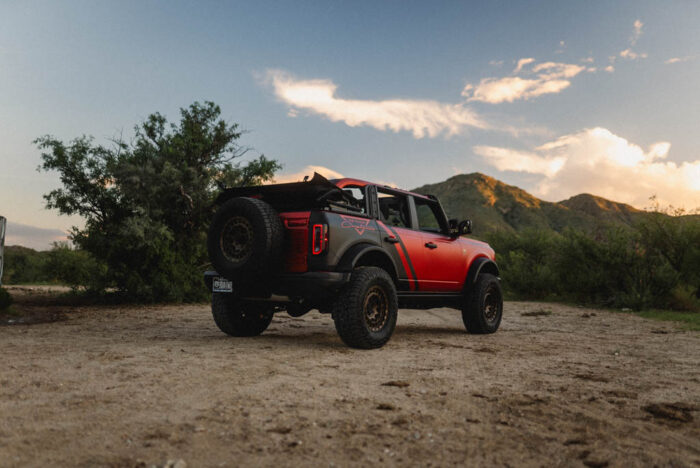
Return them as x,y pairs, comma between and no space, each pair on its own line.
296,249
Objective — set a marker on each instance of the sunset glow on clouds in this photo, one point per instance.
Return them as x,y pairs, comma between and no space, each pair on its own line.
420,117
597,161
368,89
543,78
307,171
593,160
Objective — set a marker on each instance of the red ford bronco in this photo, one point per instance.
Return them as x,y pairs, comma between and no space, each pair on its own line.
347,247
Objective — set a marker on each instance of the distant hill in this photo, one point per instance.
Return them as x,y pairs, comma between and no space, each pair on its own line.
493,205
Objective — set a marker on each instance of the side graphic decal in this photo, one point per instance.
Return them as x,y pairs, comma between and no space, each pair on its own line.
358,224
403,255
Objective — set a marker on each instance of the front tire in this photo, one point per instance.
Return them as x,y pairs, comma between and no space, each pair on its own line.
366,309
483,308
238,318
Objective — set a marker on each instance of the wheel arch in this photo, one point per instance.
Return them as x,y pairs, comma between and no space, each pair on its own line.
368,255
480,265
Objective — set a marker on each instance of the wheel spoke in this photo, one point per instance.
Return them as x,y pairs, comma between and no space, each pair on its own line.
237,239
376,308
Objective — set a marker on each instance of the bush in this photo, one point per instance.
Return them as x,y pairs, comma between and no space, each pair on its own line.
5,299
72,267
147,203
526,261
612,268
24,266
654,263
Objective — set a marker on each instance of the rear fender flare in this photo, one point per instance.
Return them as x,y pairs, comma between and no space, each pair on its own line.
357,252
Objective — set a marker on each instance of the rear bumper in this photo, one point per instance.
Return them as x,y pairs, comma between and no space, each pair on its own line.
309,284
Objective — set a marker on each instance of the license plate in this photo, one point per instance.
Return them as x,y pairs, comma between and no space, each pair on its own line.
222,285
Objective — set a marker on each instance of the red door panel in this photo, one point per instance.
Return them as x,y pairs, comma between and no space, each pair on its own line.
445,264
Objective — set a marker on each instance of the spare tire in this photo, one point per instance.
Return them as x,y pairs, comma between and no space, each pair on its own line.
245,239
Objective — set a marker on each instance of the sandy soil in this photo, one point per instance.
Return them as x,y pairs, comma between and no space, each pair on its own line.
126,386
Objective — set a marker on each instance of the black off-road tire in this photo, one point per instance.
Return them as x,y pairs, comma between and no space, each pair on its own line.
483,308
366,309
245,239
238,318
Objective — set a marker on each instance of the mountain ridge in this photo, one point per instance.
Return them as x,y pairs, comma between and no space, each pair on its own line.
493,205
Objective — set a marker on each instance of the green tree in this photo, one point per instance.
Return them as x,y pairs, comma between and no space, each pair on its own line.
147,204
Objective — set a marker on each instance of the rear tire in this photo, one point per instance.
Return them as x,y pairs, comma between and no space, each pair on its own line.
483,308
366,309
245,239
239,318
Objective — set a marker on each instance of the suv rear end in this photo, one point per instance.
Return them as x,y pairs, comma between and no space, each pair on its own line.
349,248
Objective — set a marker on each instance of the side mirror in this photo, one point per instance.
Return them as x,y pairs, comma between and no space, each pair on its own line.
465,227
454,227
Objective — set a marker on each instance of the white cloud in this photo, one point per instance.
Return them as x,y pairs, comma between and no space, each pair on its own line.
420,117
609,69
505,159
637,32
521,63
599,162
629,53
632,55
496,63
307,171
543,78
680,59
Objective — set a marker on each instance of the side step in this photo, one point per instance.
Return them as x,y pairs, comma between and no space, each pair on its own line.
424,300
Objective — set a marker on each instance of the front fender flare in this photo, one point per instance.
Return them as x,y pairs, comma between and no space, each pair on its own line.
480,264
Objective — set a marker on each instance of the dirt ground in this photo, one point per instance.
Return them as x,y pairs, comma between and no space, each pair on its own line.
142,386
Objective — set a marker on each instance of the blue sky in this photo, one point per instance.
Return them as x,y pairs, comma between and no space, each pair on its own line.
606,102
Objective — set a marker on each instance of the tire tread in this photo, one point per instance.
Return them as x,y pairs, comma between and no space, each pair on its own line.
230,317
472,313
348,313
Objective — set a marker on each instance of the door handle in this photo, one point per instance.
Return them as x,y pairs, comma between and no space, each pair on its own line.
391,240
430,245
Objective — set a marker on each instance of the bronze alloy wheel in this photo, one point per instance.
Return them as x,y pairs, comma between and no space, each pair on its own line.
492,304
376,308
236,239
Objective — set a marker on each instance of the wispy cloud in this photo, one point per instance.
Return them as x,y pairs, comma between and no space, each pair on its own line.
637,32
628,53
542,78
420,117
561,48
597,161
632,55
680,59
521,63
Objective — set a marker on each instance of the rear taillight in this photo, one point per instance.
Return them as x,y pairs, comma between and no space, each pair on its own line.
319,239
